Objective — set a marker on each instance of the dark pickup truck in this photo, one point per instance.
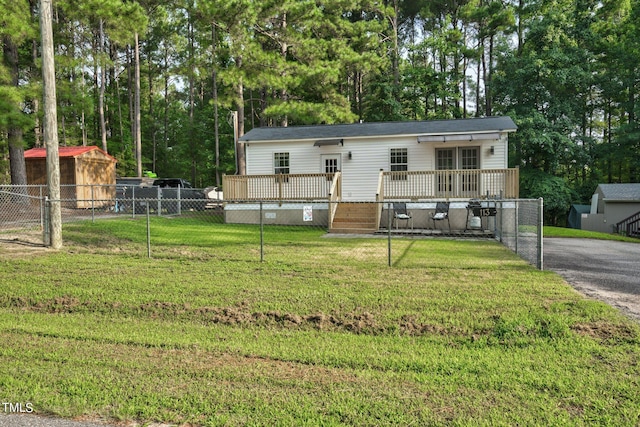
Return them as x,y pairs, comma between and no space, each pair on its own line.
171,183
164,196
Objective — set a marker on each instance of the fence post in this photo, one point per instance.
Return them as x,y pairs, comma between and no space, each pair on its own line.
501,220
46,232
179,200
517,222
261,235
93,209
148,232
159,201
540,233
42,208
133,202
388,234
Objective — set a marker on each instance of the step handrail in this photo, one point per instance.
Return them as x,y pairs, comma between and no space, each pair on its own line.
628,224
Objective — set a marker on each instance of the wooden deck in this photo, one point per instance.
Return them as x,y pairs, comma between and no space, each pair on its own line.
406,185
407,232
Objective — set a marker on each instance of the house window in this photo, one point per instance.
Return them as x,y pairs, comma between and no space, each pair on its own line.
281,163
469,158
445,158
399,163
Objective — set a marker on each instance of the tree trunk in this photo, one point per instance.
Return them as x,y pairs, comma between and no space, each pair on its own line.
131,99
284,121
191,60
239,125
396,49
484,79
82,119
488,84
152,123
478,74
138,134
165,131
14,133
36,101
216,124
50,125
103,81
120,121
263,106
16,159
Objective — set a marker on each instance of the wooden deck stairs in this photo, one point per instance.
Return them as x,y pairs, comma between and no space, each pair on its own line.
630,226
354,218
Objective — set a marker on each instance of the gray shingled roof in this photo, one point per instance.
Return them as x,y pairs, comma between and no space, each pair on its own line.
414,128
620,192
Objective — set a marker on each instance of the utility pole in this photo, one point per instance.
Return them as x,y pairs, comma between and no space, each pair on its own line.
50,124
234,124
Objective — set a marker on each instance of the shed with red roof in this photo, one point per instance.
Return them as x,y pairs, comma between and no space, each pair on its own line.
86,173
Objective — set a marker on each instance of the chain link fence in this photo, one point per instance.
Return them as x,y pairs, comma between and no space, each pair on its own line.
21,214
167,221
519,226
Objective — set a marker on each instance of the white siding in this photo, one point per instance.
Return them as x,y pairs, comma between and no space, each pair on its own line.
360,174
302,157
368,157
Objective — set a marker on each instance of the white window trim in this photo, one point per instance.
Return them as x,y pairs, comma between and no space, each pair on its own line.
391,164
277,166
458,155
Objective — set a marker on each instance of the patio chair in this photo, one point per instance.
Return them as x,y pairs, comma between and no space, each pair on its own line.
441,213
400,213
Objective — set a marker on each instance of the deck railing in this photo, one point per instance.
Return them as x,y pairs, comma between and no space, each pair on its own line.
380,197
629,226
318,186
460,183
335,195
414,185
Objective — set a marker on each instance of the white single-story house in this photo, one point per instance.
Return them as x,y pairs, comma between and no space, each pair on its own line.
614,208
413,161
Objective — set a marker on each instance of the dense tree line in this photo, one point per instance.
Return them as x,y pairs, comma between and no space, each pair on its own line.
158,84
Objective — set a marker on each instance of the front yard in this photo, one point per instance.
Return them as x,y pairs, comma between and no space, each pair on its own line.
322,333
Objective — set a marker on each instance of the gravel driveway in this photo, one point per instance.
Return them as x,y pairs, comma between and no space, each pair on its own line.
604,270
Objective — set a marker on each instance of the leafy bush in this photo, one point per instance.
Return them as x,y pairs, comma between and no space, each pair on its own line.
555,191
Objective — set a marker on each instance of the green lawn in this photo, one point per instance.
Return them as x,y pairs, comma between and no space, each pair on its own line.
321,333
584,234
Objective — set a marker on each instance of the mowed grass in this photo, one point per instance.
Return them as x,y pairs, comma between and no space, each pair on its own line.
585,234
322,332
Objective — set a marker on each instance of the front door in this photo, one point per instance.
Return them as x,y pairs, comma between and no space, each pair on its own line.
445,160
469,159
331,163
457,158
